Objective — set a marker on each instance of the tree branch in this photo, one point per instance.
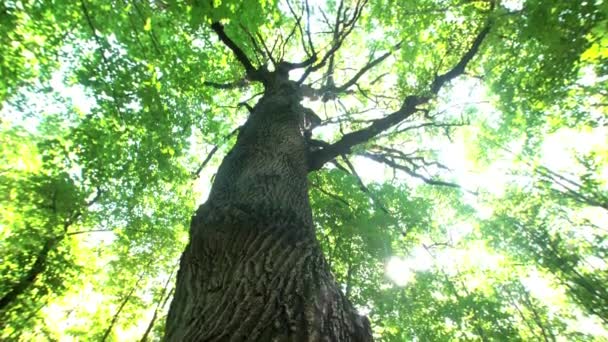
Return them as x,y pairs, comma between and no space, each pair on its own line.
366,68
256,47
121,307
310,44
363,187
329,194
382,159
161,303
303,64
344,145
40,264
30,276
336,39
90,231
410,106
347,27
197,173
416,162
312,54
459,68
232,85
238,53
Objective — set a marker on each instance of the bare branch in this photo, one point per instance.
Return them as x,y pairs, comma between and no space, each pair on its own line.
256,47
122,306
347,27
274,45
400,130
329,194
382,159
298,27
90,231
363,70
162,300
312,55
268,52
411,158
213,150
363,187
571,188
310,44
336,38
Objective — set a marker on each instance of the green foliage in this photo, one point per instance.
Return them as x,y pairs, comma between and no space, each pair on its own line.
106,111
540,230
534,64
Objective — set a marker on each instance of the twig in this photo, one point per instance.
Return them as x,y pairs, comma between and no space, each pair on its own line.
197,173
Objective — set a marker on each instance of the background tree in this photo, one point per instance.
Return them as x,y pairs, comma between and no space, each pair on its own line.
424,135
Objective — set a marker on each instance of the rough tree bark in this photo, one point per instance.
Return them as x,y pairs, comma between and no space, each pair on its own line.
253,269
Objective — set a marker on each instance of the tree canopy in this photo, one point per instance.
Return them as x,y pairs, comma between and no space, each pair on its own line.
459,178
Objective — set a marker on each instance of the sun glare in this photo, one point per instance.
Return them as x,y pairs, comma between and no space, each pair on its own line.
398,270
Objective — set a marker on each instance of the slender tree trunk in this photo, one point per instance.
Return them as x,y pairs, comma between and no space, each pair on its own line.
144,338
30,277
253,270
162,302
124,302
40,264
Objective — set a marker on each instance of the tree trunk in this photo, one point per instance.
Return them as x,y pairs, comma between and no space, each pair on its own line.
253,270
30,277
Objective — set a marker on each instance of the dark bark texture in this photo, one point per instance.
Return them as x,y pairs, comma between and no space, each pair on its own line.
253,270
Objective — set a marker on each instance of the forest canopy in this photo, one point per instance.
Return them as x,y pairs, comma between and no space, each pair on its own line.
458,166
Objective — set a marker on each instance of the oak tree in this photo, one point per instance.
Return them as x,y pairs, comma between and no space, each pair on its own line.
115,115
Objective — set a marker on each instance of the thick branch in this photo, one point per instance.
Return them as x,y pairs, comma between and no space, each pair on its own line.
344,145
303,64
238,53
409,107
232,85
459,68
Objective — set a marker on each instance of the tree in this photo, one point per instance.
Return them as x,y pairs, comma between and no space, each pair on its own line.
253,268
292,239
